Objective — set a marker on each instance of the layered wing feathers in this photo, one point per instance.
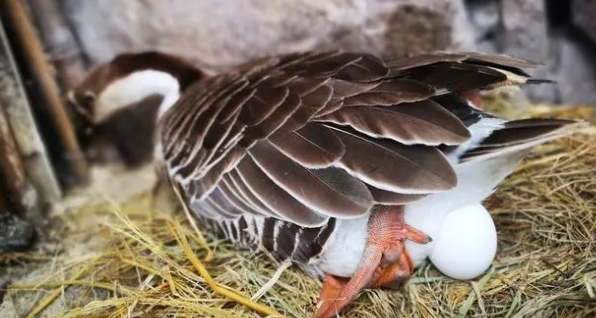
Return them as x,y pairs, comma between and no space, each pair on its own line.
305,137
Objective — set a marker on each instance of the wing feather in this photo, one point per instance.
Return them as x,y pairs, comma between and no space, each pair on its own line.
330,191
248,196
275,197
313,146
424,122
330,134
395,167
393,198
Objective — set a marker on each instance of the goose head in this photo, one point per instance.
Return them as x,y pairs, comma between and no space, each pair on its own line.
118,102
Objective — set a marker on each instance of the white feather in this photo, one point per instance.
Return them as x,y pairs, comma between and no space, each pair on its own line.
477,180
479,130
344,248
134,88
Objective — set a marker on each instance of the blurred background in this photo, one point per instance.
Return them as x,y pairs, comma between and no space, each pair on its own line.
219,34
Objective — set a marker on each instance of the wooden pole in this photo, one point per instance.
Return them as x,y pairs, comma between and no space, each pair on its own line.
17,110
60,44
19,192
3,206
34,55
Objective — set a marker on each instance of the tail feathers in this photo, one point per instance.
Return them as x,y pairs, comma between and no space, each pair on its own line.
536,81
519,135
455,72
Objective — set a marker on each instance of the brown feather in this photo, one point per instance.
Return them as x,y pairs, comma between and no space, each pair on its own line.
454,76
343,89
233,195
520,131
517,134
277,80
275,197
399,65
219,203
424,122
395,167
203,185
311,104
500,61
262,104
280,111
301,86
393,198
330,191
233,177
326,66
278,118
368,68
190,124
391,93
234,105
214,143
287,61
313,146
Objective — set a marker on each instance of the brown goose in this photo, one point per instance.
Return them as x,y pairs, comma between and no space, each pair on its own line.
328,158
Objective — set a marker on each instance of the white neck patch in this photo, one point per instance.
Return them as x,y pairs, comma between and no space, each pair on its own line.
135,87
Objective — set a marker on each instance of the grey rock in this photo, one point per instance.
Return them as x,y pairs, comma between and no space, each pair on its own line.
584,16
219,34
485,17
423,26
576,77
16,234
525,30
517,28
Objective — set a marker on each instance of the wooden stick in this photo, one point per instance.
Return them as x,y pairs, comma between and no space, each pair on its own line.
3,206
13,178
34,55
20,117
59,41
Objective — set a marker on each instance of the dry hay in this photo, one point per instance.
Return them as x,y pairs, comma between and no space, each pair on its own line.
545,215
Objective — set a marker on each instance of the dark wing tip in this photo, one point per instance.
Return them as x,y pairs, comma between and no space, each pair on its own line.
502,59
536,81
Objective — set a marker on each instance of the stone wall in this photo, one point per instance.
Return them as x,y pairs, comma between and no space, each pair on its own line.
220,34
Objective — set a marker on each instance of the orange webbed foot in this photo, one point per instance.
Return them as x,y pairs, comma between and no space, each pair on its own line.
332,288
384,262
395,274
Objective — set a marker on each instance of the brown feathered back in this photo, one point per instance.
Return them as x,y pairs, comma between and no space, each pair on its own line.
305,137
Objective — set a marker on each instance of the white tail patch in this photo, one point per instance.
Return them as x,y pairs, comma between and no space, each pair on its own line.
512,78
479,131
134,88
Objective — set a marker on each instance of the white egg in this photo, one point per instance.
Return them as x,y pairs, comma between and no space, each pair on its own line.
467,243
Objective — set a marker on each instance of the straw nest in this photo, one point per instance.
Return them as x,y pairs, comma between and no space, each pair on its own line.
147,264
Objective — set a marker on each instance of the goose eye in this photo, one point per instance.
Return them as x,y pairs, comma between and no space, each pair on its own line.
89,96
